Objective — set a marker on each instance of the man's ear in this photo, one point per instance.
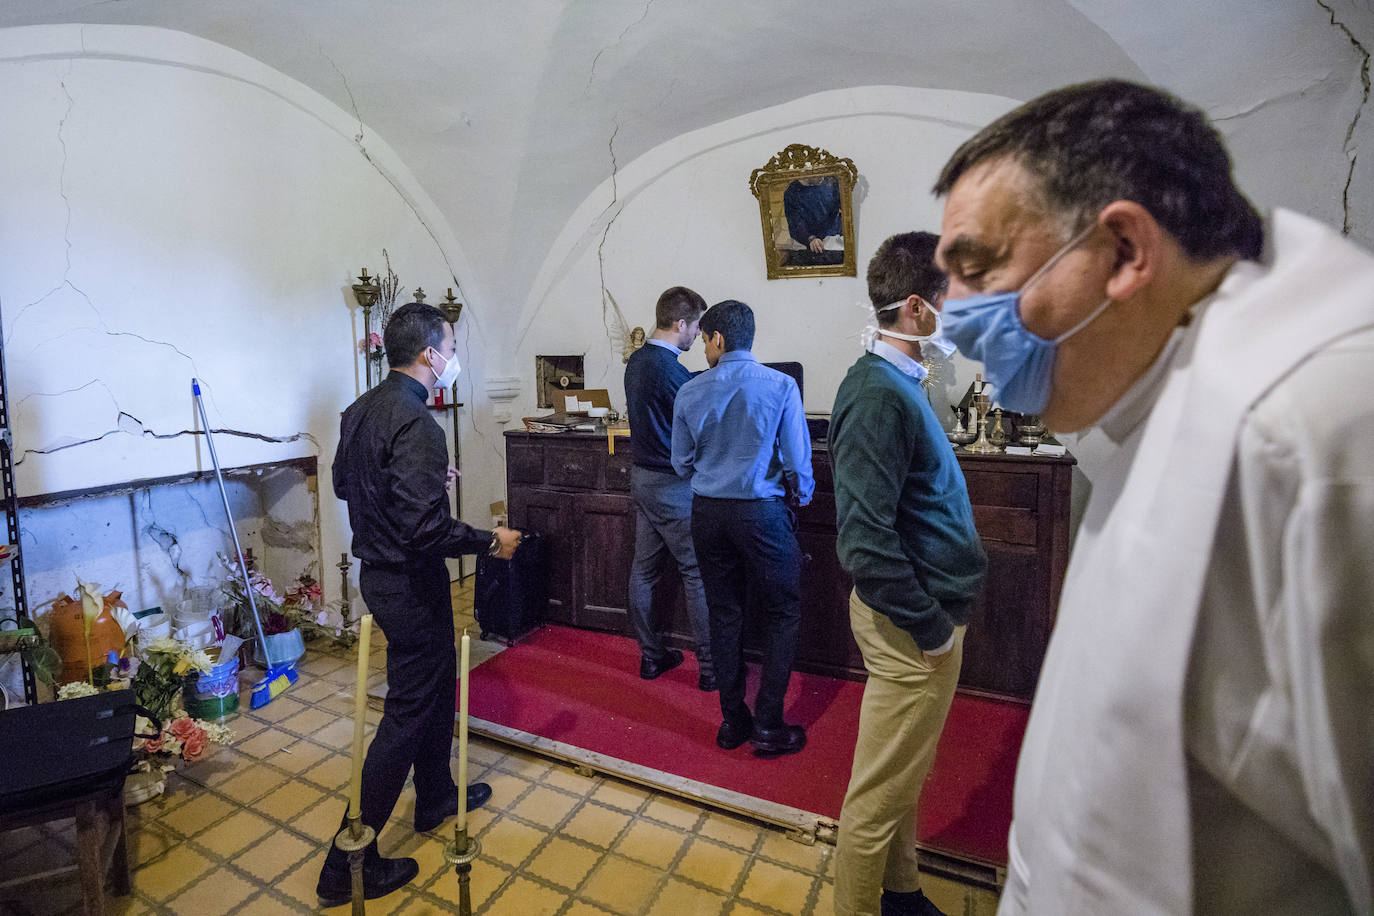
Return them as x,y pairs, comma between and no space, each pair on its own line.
1138,246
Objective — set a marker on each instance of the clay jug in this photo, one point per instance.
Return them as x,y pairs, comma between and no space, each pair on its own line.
67,635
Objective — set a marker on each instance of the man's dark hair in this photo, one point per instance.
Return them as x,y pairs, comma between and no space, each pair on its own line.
735,322
905,264
678,303
1087,145
413,327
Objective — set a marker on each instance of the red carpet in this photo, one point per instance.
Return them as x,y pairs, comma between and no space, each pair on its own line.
583,688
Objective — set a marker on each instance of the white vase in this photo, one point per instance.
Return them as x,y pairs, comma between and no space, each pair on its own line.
141,785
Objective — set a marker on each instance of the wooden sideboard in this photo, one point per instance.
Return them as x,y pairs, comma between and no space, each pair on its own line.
568,487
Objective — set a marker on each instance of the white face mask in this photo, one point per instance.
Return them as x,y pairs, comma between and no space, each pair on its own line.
449,375
935,338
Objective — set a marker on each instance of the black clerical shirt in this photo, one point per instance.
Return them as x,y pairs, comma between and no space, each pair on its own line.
391,468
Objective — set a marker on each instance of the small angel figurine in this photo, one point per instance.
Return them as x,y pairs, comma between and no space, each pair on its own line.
630,339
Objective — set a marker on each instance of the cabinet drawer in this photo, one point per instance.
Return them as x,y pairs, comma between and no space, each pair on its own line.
525,463
1002,489
1008,524
573,468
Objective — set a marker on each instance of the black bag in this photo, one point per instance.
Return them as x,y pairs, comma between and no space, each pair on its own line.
512,596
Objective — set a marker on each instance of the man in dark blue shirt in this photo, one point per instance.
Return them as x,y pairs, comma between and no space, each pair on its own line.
663,500
739,435
906,535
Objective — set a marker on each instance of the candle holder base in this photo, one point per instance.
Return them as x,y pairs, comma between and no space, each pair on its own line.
350,839
467,857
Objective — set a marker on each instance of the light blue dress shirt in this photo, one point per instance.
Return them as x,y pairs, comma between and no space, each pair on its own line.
739,432
905,364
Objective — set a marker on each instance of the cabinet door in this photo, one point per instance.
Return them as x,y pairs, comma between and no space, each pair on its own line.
605,544
549,512
825,643
1010,624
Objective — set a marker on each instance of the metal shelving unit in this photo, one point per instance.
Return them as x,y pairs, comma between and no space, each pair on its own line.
10,499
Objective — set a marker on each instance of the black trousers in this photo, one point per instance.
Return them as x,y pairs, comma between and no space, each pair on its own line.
748,548
414,608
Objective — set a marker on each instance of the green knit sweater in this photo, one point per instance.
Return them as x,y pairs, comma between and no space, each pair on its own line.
906,530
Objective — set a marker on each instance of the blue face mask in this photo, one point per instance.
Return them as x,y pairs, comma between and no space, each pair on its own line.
1019,364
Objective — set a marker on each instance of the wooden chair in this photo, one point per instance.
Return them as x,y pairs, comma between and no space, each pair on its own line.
69,759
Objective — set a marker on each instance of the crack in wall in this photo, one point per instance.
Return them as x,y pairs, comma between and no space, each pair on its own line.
56,394
591,75
66,281
1350,131
164,538
452,272
600,248
429,230
135,427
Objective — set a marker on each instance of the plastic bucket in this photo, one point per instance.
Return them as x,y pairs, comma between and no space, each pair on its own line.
215,694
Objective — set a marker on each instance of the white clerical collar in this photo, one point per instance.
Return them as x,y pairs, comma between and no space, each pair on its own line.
665,345
1122,418
905,364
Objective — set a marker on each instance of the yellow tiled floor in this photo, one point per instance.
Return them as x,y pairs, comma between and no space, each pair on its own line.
244,832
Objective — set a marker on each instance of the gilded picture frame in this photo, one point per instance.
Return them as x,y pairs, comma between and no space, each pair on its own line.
804,190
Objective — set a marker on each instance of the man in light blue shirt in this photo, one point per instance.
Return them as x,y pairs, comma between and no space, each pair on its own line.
740,437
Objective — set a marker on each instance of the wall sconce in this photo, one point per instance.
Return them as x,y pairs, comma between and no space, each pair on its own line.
366,291
451,307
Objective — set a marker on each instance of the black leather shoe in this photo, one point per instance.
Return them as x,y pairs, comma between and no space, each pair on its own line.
775,742
380,877
733,734
914,903
650,669
706,681
427,820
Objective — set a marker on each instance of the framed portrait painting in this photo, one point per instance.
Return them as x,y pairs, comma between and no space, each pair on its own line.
806,207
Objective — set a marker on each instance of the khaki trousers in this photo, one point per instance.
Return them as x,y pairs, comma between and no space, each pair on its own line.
905,703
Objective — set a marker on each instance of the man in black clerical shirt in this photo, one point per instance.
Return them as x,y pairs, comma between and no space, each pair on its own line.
392,468
663,500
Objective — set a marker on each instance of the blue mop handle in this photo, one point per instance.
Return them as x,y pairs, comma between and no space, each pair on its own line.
233,532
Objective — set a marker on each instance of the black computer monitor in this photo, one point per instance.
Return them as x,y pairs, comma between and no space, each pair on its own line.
792,369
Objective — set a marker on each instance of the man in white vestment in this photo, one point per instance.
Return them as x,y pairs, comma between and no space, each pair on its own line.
1202,736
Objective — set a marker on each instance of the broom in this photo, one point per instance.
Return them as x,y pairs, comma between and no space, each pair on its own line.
281,651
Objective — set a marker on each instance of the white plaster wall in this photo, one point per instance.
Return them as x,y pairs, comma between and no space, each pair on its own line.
174,208
683,214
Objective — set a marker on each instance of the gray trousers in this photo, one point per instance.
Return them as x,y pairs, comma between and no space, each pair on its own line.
663,537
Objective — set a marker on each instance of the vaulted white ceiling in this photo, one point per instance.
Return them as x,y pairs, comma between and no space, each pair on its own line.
509,113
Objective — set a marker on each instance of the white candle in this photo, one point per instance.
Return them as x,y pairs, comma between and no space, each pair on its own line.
463,733
355,789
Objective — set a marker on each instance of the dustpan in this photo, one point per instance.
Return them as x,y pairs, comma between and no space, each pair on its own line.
281,651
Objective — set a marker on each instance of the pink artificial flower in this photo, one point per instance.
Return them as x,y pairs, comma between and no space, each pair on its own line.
193,745
182,727
153,745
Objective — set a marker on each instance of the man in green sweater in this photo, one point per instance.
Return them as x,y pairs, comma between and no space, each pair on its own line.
906,535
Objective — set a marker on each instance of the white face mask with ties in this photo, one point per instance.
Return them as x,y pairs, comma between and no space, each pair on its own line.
449,374
935,338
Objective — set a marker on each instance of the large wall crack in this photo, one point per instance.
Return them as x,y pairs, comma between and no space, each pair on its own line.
591,75
429,230
1349,146
66,281
129,425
